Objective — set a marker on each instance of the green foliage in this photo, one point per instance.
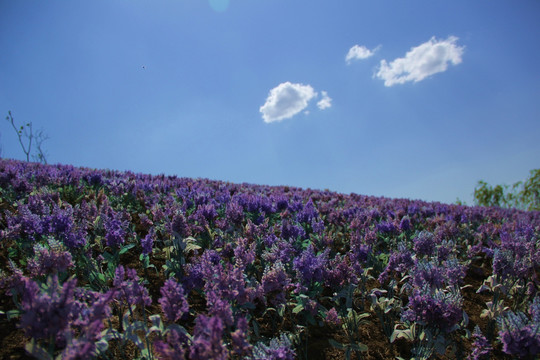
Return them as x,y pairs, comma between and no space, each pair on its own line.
521,195
352,324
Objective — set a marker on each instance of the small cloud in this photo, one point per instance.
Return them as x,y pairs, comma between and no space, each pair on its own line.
421,61
325,102
286,100
219,5
359,53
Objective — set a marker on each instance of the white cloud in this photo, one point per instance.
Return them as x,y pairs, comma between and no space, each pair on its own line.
359,53
421,61
325,102
286,100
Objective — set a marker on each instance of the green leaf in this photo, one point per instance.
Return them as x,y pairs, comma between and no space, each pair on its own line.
37,351
101,277
281,310
256,328
157,323
108,256
336,344
298,308
359,347
12,314
102,345
110,334
125,248
179,329
12,252
440,347
191,244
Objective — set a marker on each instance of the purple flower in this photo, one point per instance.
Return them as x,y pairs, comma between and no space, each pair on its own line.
208,211
340,273
455,272
47,312
235,213
240,342
13,284
282,204
179,225
438,310
173,301
400,262
128,287
386,227
517,255
220,308
94,179
360,252
48,261
244,252
445,250
227,281
289,231
115,232
25,223
308,213
481,346
79,349
534,310
147,242
310,267
278,349
61,221
428,273
405,224
424,243
90,310
507,265
275,282
317,226
519,335
174,348
332,318
207,340
281,250
196,270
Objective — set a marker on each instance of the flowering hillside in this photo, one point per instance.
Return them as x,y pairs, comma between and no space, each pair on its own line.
117,265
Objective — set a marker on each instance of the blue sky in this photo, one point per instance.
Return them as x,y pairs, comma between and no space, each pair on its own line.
410,99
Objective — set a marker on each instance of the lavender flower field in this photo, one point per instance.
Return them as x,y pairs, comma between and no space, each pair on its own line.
117,265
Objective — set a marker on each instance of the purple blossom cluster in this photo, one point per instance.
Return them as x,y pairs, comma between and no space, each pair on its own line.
518,255
278,349
481,346
115,231
519,334
49,259
173,348
310,267
41,217
64,316
434,309
173,301
400,262
275,283
237,250
128,288
46,313
424,244
207,339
